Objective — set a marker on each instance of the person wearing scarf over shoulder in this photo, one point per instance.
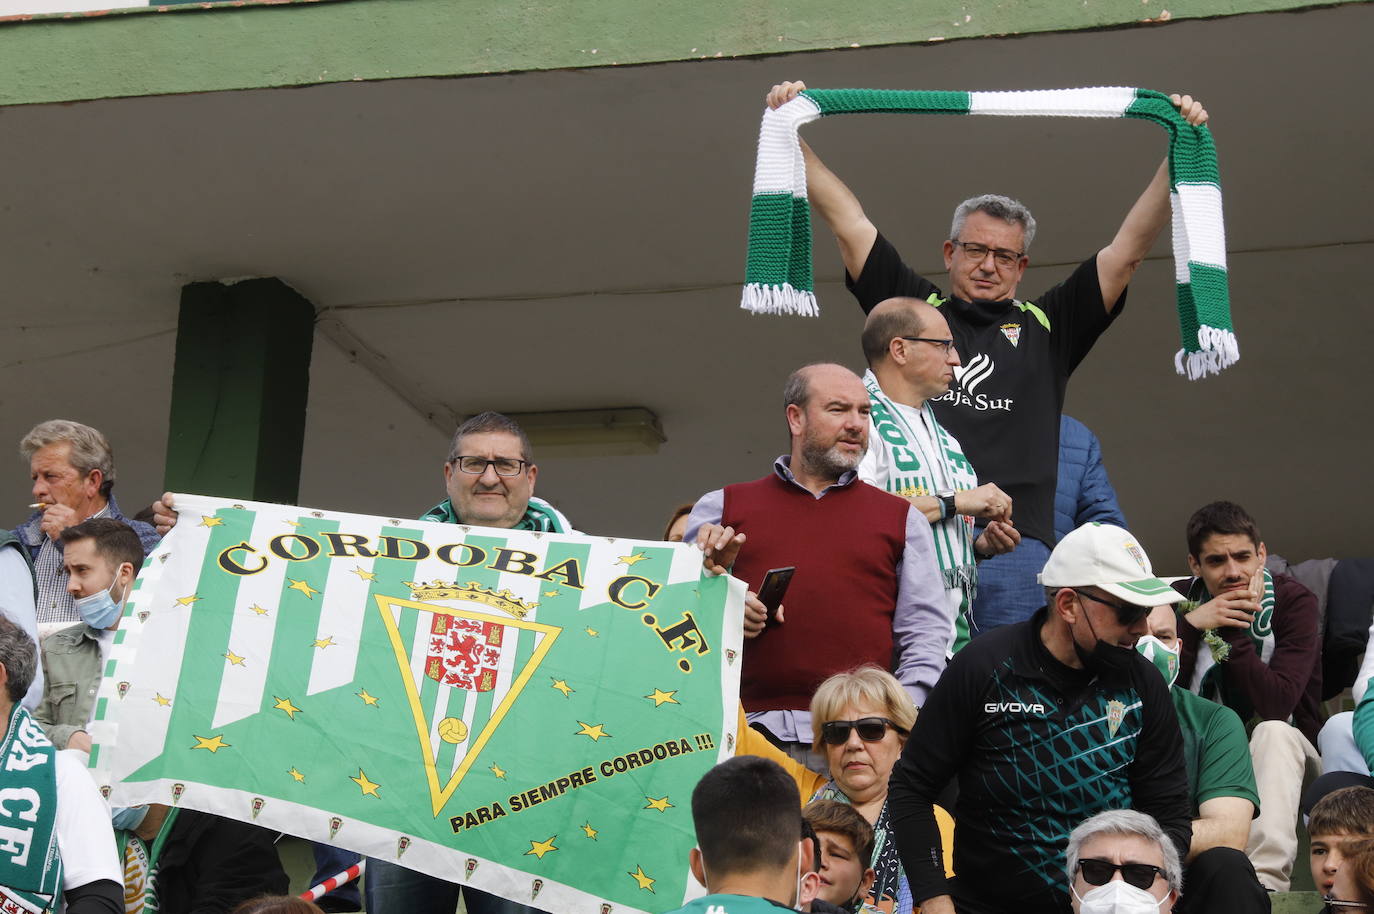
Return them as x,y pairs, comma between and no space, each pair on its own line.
1252,641
56,843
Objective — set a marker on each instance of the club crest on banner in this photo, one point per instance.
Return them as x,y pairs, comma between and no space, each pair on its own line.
462,671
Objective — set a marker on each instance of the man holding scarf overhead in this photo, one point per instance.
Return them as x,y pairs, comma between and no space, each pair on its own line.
1251,641
1005,406
911,359
56,843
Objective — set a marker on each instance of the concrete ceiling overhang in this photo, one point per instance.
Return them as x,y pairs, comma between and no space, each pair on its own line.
575,239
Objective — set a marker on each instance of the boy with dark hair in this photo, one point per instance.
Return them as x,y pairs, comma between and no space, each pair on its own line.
1251,641
845,842
1340,816
749,839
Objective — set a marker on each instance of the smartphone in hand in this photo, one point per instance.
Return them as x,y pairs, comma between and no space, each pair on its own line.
773,588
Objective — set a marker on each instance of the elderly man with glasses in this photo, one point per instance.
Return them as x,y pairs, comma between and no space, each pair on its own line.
1004,407
1044,723
1121,860
911,360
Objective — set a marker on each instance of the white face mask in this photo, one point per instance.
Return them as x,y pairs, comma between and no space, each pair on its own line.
1117,897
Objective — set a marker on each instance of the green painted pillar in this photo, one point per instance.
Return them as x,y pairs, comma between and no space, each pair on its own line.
239,388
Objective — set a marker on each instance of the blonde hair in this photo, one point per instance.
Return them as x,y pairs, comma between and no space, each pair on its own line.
867,683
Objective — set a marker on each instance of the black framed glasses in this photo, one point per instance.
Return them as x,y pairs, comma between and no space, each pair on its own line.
871,730
1100,872
504,466
1126,613
1001,256
943,345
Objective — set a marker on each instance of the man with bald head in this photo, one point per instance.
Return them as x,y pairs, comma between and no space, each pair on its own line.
866,589
911,360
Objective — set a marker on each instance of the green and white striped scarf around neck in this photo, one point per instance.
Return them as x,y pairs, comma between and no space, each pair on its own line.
30,870
1206,674
915,470
778,277
539,516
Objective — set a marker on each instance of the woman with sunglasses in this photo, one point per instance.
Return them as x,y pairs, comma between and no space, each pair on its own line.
1121,862
1353,887
860,720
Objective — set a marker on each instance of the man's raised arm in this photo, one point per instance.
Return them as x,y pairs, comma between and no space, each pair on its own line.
1117,262
833,200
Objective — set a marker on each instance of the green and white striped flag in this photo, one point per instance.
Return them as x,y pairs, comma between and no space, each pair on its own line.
526,713
778,277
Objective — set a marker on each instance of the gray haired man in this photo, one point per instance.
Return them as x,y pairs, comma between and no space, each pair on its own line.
1121,860
73,472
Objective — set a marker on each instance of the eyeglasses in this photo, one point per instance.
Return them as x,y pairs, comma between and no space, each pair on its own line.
1002,256
1100,872
1126,613
943,345
1337,904
871,730
504,466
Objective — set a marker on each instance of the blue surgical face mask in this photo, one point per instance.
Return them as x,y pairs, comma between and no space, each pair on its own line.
99,610
128,818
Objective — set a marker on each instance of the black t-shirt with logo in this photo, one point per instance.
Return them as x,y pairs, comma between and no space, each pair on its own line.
1017,356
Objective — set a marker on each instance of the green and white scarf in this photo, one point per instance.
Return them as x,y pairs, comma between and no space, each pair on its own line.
915,470
539,516
30,865
1207,680
778,273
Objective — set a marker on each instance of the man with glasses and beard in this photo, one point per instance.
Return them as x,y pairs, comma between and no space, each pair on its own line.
866,588
1044,723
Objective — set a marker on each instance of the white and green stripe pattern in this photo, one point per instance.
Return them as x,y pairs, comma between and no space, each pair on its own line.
778,277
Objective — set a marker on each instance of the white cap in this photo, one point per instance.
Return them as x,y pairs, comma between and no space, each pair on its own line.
1106,556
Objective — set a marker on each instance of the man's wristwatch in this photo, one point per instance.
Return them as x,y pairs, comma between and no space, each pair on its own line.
947,509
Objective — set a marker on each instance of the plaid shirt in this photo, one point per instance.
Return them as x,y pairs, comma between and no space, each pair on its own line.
54,603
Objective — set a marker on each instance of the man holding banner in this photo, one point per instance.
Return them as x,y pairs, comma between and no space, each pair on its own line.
500,706
1004,406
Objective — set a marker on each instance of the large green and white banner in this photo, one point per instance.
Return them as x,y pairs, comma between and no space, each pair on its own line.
525,713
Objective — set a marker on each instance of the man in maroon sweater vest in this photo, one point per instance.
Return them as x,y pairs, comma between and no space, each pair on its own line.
867,588
1252,641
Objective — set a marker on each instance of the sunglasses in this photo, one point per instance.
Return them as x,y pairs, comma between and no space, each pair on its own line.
871,730
1100,872
1126,613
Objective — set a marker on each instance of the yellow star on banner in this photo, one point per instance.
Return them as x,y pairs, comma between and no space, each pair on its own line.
209,521
213,743
234,659
368,699
552,593
589,831
255,608
187,601
162,700
642,878
369,787
562,686
290,522
284,704
540,848
326,641
498,771
303,587
661,697
363,575
300,778
591,631
629,561
588,730
661,804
